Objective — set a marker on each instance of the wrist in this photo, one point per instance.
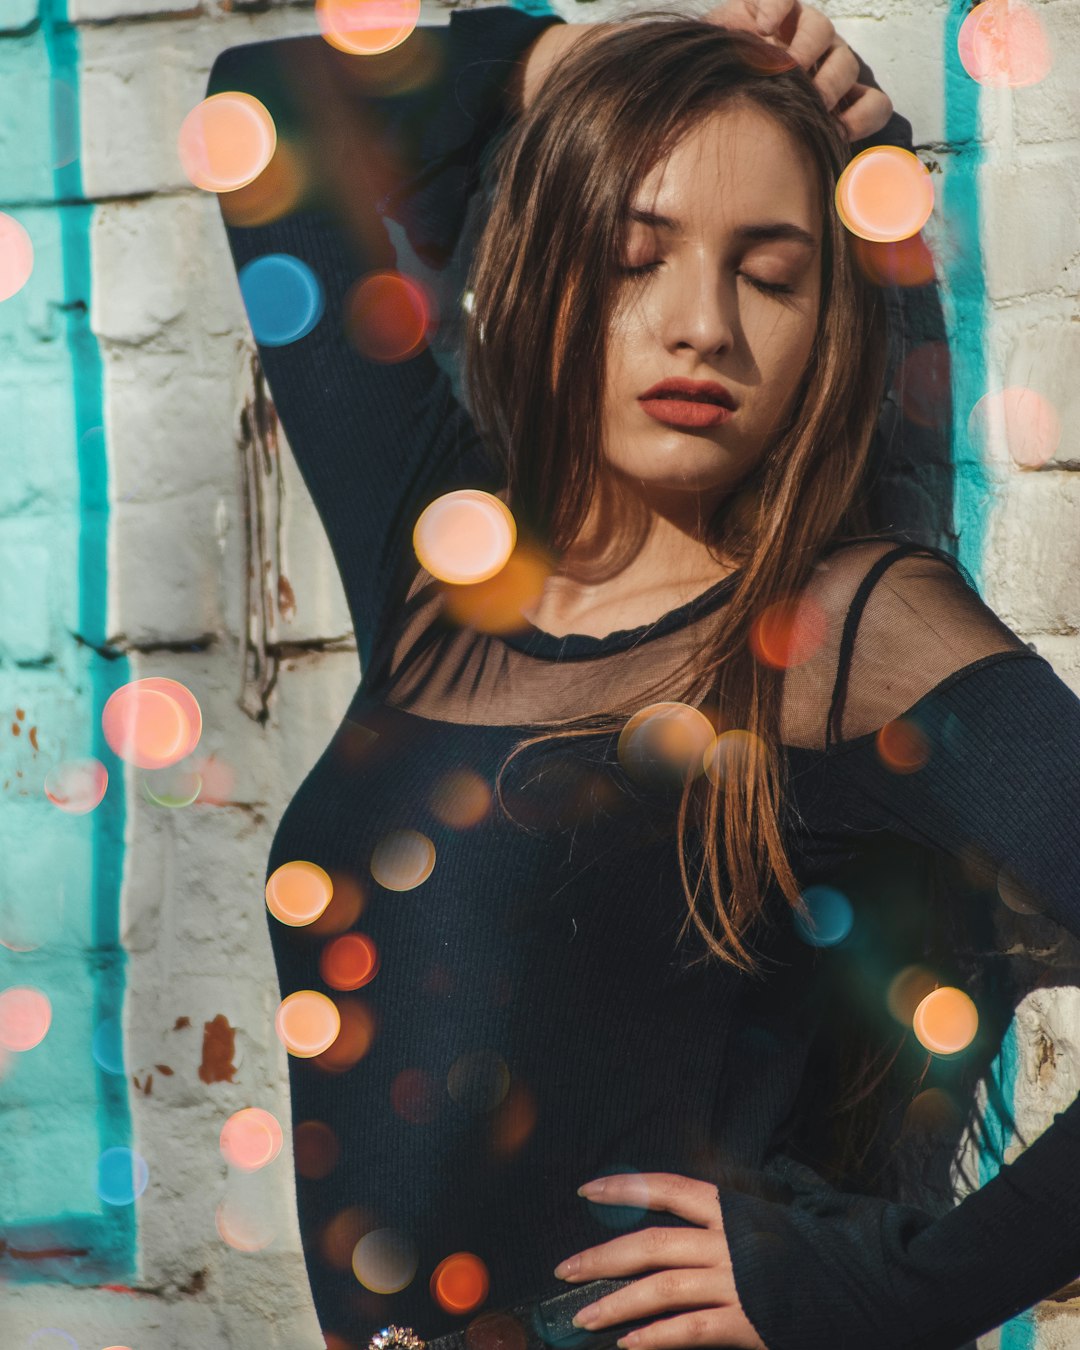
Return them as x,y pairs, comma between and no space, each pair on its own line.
538,59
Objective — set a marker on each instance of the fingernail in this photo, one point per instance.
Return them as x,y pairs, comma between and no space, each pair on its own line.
567,1267
591,1188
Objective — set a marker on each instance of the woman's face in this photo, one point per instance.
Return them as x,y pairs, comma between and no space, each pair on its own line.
741,193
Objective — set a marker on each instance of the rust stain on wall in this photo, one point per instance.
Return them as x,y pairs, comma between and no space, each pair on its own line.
262,496
286,598
1045,1058
218,1048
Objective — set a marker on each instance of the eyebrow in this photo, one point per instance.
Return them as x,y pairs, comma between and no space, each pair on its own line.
764,232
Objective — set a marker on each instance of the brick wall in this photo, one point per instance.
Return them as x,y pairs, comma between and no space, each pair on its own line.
144,531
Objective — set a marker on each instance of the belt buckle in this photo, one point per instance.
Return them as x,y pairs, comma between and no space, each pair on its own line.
396,1338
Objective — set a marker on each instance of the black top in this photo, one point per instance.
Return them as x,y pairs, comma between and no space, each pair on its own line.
533,1022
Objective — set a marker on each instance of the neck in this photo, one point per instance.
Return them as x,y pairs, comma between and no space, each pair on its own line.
638,545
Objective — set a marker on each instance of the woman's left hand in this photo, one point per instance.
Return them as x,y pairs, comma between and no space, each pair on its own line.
693,1268
811,39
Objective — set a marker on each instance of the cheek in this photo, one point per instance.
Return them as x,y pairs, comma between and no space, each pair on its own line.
783,348
620,366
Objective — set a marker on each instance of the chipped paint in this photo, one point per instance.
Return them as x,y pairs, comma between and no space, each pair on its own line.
218,1051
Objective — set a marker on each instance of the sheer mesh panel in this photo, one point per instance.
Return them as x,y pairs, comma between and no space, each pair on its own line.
915,621
900,619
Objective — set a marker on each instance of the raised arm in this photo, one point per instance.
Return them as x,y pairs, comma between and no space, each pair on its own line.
374,441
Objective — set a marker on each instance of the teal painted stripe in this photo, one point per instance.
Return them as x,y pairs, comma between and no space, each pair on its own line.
108,1237
962,210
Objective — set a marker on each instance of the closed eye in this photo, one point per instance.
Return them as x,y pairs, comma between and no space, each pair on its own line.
768,287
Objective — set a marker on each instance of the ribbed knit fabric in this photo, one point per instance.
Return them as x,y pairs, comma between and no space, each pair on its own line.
534,1020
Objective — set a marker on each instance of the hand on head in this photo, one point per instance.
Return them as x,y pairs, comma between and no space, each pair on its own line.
810,37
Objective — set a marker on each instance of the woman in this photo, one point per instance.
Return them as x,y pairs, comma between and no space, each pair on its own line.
588,969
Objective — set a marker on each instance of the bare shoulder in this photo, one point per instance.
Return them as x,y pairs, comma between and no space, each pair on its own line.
900,619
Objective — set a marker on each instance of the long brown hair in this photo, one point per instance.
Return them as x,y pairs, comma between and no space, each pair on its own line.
544,279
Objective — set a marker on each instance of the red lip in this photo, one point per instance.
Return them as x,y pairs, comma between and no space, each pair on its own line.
683,413
679,388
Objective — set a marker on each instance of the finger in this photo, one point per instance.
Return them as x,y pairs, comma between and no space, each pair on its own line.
660,1293
811,37
651,1249
706,1326
838,72
868,112
698,1201
770,14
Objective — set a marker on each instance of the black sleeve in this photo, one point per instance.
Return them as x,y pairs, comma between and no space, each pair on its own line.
910,473
375,441
997,776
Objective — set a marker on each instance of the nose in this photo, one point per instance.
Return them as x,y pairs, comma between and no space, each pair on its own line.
700,308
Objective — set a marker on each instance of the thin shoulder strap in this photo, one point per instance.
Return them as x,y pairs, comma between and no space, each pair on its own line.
851,624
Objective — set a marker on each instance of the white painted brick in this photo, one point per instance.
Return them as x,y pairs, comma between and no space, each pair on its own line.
195,925
153,287
171,446
94,1319
1063,653
167,435
1043,1089
267,762
1045,358
139,82
1059,1326
1030,344
308,563
1032,215
219,914
95,11
1014,354
1032,555
1049,110
842,11
170,589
